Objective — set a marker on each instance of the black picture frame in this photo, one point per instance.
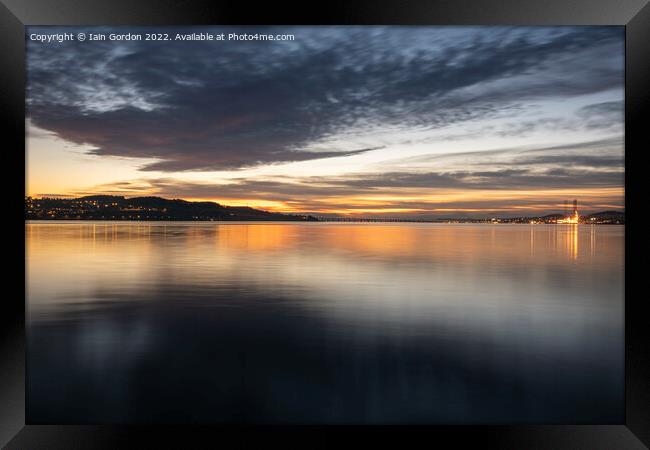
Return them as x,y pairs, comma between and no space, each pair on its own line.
16,14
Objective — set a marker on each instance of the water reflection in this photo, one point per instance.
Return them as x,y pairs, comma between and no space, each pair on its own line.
324,323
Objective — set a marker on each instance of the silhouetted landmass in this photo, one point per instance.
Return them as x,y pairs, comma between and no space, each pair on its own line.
552,217
113,207
600,218
608,215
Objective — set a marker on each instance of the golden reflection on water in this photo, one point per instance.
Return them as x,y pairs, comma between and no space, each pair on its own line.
550,244
81,255
569,240
257,238
592,240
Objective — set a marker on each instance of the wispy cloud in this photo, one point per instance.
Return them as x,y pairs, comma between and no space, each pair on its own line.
531,179
206,106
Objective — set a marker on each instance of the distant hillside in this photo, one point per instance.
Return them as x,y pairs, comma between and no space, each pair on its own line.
113,207
607,214
612,217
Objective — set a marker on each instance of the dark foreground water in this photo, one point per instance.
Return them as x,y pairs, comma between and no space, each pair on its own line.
324,323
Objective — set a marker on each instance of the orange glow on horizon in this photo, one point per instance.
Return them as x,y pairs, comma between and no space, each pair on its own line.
269,205
397,201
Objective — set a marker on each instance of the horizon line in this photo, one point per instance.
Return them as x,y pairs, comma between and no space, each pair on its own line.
331,216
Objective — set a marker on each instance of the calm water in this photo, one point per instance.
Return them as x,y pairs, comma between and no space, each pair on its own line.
324,323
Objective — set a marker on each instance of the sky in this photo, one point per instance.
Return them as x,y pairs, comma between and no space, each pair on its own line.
410,122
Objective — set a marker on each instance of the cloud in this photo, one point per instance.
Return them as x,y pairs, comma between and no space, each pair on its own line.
423,195
205,106
505,181
602,115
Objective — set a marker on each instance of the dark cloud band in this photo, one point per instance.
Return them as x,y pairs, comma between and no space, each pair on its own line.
204,106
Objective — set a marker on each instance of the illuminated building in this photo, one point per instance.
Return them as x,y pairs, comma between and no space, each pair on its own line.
574,217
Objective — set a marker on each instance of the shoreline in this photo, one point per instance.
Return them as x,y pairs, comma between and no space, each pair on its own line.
28,221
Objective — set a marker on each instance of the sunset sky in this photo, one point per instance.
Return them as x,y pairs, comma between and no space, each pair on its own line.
376,121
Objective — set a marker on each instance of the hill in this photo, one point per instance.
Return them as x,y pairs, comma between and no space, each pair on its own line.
115,207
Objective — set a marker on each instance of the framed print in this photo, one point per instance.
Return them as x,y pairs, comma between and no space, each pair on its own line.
400,221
